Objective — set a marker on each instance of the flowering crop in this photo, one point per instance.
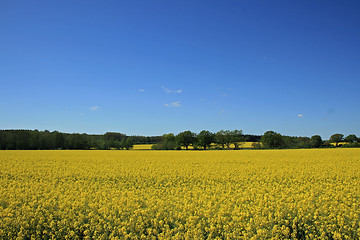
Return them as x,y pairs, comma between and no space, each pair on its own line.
247,194
142,146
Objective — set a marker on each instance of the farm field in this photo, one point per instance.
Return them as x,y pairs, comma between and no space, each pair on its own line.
246,194
148,146
142,146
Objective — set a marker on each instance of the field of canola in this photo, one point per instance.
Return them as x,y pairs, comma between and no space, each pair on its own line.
246,194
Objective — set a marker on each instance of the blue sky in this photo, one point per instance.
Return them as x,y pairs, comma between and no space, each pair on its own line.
154,67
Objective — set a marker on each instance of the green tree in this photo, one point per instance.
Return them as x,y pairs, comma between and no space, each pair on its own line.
304,142
236,137
271,139
59,140
126,144
336,138
351,138
186,139
220,138
205,139
168,142
315,141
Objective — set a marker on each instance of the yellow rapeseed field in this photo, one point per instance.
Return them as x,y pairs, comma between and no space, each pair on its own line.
245,194
142,146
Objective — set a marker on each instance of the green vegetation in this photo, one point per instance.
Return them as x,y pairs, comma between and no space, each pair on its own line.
223,139
36,140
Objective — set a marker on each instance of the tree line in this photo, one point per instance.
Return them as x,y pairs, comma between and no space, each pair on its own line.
204,140
223,139
273,140
233,139
46,140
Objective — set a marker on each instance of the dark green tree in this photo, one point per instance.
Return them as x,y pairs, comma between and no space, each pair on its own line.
205,139
316,141
126,144
336,138
186,139
303,142
271,139
220,138
168,142
351,138
59,140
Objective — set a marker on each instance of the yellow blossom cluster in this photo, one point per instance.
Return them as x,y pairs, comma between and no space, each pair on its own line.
246,194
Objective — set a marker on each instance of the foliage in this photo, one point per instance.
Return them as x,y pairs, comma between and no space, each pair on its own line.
336,138
278,194
221,138
352,139
168,142
316,141
186,139
352,145
205,139
236,137
45,140
272,139
227,138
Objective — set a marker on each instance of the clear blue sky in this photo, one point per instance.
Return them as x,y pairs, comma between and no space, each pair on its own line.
154,67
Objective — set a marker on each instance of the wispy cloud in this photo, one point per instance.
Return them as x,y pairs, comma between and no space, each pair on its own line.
173,104
171,91
141,90
94,108
300,115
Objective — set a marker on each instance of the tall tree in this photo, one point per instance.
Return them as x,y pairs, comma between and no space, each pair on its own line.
168,141
205,139
336,138
220,138
315,141
186,139
271,139
236,137
128,144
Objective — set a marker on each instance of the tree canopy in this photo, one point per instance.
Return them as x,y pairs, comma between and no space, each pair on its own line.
336,138
272,139
315,141
186,139
205,139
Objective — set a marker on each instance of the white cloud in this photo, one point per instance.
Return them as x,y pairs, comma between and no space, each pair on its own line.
141,90
173,104
94,108
300,115
171,91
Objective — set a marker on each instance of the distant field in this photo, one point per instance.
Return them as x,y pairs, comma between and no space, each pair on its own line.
340,143
142,146
148,146
267,194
